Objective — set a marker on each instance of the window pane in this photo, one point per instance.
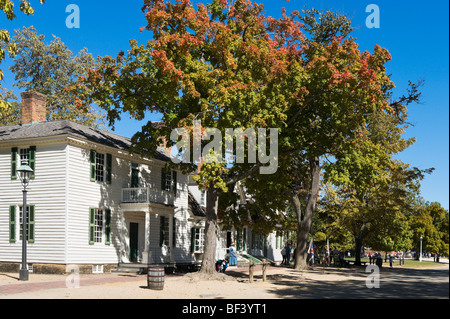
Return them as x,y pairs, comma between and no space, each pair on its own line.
98,229
24,155
21,220
168,186
199,240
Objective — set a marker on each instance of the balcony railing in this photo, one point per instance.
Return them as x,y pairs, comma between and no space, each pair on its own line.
147,195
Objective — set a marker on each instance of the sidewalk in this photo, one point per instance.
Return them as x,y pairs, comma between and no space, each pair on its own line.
441,260
9,283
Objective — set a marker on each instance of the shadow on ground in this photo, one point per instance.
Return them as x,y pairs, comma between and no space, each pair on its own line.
338,283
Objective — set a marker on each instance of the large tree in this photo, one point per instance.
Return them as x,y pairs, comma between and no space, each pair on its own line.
7,7
229,65
224,64
49,68
431,221
377,216
346,122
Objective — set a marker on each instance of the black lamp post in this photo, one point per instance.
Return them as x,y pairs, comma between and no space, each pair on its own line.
25,172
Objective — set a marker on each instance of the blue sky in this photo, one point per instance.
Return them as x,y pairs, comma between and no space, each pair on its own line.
415,33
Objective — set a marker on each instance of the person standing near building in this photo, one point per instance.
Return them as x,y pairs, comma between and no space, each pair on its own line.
288,254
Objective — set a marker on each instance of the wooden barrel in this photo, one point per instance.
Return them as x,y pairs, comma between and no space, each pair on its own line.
155,277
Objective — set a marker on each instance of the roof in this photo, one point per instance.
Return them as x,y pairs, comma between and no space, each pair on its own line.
195,207
66,127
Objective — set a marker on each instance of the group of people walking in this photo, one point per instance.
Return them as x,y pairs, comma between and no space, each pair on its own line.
286,252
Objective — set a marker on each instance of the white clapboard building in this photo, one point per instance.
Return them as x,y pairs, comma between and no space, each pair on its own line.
93,204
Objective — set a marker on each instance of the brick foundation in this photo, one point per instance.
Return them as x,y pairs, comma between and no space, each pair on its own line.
57,269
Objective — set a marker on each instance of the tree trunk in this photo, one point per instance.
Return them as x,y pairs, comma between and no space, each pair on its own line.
304,225
358,244
209,254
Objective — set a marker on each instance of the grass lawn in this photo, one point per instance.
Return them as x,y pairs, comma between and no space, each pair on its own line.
408,263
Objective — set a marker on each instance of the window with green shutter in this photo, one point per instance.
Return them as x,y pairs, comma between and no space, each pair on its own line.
93,163
91,225
14,163
100,167
107,226
32,160
31,223
174,232
12,224
108,168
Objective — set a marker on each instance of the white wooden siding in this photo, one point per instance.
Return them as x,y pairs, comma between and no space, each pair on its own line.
47,193
63,193
84,194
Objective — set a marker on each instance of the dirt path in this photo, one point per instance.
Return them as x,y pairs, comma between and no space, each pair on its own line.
282,283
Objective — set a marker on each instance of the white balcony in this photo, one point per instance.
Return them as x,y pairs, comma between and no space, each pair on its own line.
147,195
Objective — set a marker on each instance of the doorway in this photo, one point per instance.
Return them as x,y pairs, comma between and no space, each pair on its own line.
229,239
134,242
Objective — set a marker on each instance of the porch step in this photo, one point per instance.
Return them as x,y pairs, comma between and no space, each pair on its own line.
242,262
131,268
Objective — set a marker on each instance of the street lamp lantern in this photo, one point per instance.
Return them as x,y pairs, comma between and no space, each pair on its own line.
25,172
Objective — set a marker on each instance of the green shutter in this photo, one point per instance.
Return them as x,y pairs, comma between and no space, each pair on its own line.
107,226
14,163
174,232
91,225
93,160
244,244
32,163
193,230
163,179
174,182
12,224
108,168
31,219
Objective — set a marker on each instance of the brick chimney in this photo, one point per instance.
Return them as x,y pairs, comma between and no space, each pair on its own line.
34,107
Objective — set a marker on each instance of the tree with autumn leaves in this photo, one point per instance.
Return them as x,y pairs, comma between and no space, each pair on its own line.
7,7
229,65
